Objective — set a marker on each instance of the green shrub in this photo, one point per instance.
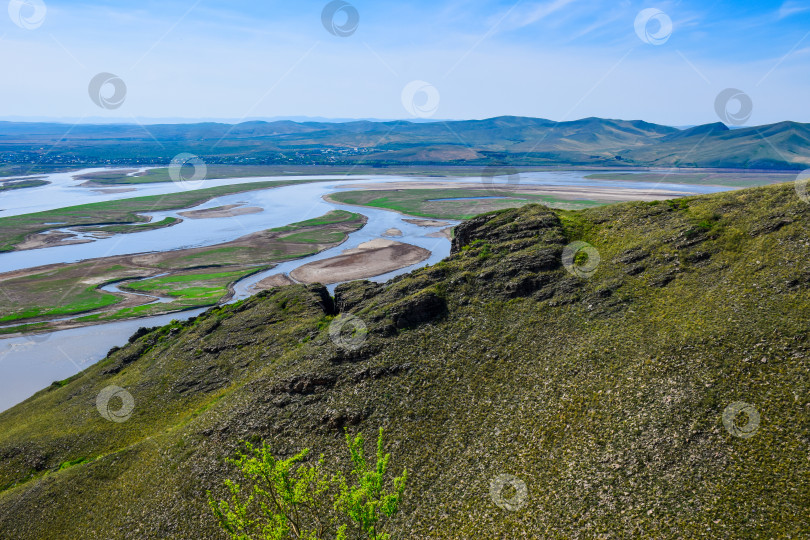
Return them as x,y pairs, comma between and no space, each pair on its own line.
291,499
485,252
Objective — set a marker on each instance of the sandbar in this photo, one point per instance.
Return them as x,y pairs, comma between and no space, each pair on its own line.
605,194
369,259
50,239
447,232
230,210
426,222
276,280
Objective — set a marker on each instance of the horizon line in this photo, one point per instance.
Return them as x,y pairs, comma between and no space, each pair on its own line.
140,121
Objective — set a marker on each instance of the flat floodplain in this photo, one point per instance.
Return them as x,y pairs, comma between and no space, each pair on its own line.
14,229
463,201
192,278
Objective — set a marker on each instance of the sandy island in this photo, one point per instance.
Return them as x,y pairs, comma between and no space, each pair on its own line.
50,239
392,232
447,232
367,260
114,190
568,193
426,222
276,280
230,210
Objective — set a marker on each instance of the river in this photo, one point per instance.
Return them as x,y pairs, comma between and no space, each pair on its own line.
28,364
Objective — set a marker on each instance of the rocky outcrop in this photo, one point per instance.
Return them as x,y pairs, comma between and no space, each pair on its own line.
533,221
349,295
418,309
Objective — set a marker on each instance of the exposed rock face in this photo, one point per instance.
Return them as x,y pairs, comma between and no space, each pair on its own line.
349,295
498,227
418,309
326,301
307,384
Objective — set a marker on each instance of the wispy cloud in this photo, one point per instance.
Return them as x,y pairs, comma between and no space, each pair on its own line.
596,26
487,57
531,14
542,11
790,8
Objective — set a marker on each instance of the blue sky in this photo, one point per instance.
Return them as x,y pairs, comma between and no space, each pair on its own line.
557,59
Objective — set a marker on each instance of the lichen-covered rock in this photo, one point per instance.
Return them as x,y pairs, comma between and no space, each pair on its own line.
418,309
532,221
349,295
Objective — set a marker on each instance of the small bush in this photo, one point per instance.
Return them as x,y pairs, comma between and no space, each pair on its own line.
292,499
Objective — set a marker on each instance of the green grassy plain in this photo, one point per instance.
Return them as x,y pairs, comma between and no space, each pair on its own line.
197,277
14,229
191,290
708,178
161,174
22,184
191,285
127,229
421,202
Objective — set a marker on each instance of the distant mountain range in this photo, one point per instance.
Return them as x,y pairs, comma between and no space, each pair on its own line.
502,140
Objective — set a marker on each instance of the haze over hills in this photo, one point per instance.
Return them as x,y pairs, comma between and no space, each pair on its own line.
504,140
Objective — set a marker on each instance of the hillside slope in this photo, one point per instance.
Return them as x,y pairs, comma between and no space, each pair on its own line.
781,145
501,140
605,394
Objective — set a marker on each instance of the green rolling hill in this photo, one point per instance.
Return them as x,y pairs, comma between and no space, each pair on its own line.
504,140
